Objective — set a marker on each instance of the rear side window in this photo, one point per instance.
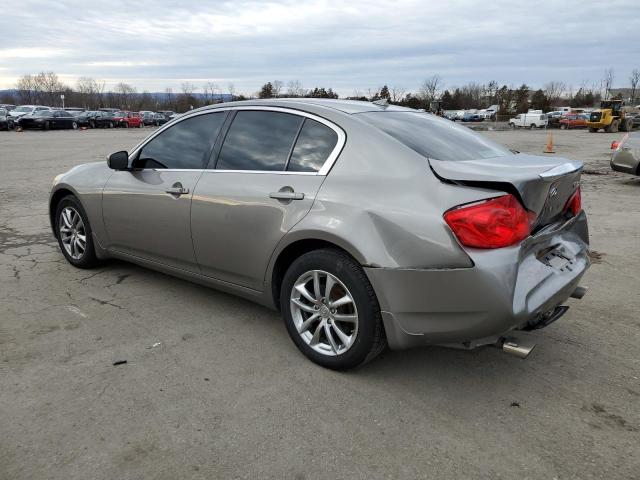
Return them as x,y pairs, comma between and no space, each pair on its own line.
259,140
434,137
184,145
314,145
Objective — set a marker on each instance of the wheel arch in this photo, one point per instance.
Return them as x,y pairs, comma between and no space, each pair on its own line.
56,196
287,253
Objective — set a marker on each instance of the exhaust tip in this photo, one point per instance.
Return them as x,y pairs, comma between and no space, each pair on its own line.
518,348
579,292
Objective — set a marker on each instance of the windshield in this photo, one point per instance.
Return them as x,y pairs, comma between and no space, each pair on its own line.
434,137
23,109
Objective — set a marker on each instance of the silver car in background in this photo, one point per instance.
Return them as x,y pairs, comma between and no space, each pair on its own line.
364,224
626,156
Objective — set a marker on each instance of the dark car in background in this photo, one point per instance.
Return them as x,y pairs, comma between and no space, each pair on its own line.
6,120
151,118
553,119
48,120
103,120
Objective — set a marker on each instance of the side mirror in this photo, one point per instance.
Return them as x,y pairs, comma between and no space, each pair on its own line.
119,160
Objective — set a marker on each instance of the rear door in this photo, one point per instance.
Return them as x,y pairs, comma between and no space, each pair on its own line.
147,210
261,182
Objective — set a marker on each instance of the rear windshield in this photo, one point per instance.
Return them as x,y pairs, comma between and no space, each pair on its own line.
435,137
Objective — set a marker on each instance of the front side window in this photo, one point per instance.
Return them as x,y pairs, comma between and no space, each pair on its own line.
259,140
315,143
185,145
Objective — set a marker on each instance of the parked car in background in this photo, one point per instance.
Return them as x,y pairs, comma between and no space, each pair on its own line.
6,120
74,109
103,120
461,246
169,114
626,157
573,120
151,118
636,120
553,119
473,117
27,109
82,117
531,120
48,120
127,119
7,106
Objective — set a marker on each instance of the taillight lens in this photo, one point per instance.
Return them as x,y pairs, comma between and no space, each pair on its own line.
574,205
495,223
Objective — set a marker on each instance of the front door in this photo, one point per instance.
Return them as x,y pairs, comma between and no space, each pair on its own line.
265,180
147,210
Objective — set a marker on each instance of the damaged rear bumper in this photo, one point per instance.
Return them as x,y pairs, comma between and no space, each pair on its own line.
519,287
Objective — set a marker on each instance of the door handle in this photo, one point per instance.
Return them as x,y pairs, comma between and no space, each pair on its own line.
177,189
286,195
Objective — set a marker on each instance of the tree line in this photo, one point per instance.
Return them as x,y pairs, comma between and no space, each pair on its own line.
46,88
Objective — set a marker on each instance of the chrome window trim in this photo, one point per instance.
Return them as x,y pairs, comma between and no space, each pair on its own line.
324,170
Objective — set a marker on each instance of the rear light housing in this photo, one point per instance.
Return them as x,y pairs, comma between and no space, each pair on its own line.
574,205
495,223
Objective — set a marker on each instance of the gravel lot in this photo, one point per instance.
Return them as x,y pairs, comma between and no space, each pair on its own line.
226,394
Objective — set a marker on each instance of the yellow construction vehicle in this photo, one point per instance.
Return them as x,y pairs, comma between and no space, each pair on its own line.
612,116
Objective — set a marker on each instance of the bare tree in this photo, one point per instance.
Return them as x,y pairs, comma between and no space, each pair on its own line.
125,93
554,90
90,91
634,79
607,82
429,88
397,94
232,90
211,91
27,91
294,89
277,87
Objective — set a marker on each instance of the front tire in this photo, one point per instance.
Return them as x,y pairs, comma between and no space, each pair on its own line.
73,232
331,311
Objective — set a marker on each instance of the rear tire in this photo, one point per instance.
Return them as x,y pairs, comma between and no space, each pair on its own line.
74,125
593,129
70,231
532,126
362,309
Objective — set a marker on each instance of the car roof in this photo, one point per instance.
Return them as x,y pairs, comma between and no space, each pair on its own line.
345,106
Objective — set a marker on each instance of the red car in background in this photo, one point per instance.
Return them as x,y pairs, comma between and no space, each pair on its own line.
128,119
574,120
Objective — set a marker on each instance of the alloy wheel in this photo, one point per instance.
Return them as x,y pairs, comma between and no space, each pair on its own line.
73,234
324,312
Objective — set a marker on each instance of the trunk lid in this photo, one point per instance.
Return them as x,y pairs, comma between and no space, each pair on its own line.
544,185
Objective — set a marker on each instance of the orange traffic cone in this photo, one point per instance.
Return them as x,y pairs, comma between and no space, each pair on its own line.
549,148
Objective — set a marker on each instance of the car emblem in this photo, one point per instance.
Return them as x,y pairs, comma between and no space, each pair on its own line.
553,192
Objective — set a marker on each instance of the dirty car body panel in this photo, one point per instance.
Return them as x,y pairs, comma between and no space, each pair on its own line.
379,196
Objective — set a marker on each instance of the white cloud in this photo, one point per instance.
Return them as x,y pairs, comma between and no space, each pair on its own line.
344,45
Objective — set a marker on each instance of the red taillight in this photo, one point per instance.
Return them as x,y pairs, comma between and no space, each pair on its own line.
574,205
496,223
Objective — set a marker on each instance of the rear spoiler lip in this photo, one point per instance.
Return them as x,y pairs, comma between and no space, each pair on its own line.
560,170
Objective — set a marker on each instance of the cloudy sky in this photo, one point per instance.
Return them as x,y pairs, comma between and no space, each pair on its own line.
346,45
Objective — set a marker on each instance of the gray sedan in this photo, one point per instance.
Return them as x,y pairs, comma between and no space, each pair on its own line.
626,156
366,225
